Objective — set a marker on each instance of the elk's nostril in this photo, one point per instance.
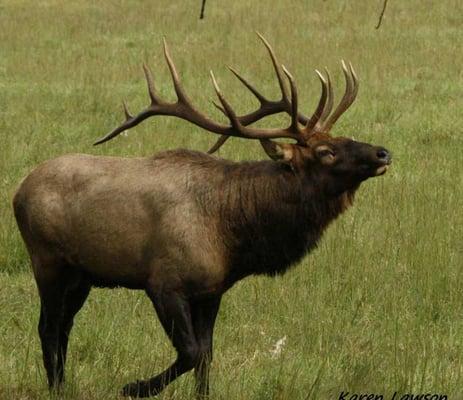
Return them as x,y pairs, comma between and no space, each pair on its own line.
382,154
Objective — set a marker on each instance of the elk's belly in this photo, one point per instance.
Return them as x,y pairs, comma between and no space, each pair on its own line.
127,246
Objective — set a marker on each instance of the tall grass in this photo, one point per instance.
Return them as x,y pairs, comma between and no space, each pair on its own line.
377,308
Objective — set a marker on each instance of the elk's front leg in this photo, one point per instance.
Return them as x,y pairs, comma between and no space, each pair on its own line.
204,315
174,313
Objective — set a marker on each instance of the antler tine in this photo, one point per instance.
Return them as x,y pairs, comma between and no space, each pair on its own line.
320,107
330,99
294,105
218,144
281,82
251,88
129,123
226,105
128,116
219,107
181,95
355,80
151,88
328,104
348,98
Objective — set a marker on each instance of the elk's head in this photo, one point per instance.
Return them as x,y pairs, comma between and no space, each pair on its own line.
341,163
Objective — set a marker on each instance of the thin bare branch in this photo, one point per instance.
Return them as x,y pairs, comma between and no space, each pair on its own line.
382,14
203,6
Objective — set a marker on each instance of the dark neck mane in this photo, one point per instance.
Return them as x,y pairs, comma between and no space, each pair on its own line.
272,216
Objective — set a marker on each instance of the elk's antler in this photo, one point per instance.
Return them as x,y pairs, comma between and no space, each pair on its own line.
184,109
320,121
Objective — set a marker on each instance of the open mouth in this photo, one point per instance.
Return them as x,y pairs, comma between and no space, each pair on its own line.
381,170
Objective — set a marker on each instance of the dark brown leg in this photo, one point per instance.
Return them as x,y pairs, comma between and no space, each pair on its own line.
62,294
51,298
174,312
204,315
74,299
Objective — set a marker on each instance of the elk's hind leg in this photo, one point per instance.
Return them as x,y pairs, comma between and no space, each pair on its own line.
74,299
62,293
51,284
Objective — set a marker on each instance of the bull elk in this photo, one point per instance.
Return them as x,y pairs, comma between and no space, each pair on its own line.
185,226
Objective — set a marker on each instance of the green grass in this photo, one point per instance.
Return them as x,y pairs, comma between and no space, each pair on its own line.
377,308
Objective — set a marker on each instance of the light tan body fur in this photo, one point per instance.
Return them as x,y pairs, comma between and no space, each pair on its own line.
126,221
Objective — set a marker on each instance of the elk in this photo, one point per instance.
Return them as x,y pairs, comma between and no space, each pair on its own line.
185,226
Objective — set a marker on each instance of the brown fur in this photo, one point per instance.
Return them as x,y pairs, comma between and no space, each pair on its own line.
183,226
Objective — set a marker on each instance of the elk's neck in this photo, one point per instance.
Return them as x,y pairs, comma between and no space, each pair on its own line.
272,217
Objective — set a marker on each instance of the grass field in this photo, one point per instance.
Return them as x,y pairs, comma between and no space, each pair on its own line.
377,308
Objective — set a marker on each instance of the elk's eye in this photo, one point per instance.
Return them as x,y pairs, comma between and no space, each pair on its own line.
326,155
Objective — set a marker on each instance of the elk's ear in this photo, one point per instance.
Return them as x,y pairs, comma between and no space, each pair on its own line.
283,152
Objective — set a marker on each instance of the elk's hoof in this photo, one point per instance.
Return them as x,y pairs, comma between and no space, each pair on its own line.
136,389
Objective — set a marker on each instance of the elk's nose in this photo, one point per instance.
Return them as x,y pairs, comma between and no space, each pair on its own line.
383,155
